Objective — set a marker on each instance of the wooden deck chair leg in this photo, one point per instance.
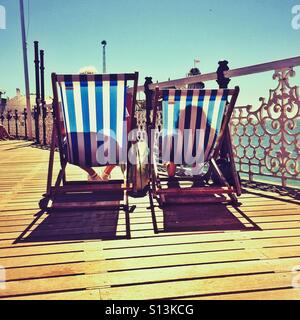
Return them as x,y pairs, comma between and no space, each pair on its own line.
127,215
126,207
152,208
60,177
51,159
234,199
215,167
222,179
218,173
234,172
44,202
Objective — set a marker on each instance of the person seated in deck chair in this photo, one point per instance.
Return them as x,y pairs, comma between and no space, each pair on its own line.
171,166
92,174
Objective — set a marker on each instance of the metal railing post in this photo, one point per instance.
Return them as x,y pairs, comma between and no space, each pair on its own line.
25,124
8,117
36,117
37,84
223,83
2,118
149,95
44,109
16,117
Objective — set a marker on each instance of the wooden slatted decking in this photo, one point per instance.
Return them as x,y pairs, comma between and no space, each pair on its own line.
203,252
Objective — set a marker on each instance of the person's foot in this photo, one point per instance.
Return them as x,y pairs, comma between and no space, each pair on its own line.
94,177
105,177
198,183
171,169
173,183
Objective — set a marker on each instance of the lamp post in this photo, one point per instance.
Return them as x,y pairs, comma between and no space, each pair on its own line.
26,75
2,101
104,44
1,93
37,110
194,72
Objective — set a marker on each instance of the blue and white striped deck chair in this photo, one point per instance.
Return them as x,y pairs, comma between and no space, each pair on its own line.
95,113
194,126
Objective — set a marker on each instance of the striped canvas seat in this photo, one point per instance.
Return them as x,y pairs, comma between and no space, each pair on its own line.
94,110
194,133
192,121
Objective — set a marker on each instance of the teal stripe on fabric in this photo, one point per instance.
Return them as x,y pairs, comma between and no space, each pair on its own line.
188,109
199,116
200,109
125,103
165,111
86,120
125,128
99,107
221,111
220,119
177,109
209,120
113,108
72,120
69,153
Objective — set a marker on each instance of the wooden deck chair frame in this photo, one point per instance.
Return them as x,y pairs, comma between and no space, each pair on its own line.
61,185
205,193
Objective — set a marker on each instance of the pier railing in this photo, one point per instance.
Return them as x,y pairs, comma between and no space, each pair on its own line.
15,123
266,138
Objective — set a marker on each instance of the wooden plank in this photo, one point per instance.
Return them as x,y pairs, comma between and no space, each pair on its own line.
190,288
66,296
41,286
55,270
47,259
90,187
104,222
49,249
254,69
194,199
94,205
96,232
284,294
195,191
167,239
282,252
9,244
159,261
195,272
198,247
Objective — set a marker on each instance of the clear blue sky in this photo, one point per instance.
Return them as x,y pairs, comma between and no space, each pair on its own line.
160,38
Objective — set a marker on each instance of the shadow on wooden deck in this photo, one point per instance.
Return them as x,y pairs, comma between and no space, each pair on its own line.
205,218
95,224
75,225
293,193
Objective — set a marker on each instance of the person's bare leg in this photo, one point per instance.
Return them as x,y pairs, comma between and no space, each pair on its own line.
92,174
172,183
171,167
90,171
105,176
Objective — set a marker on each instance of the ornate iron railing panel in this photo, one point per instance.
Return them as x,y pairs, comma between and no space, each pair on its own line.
267,139
15,124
